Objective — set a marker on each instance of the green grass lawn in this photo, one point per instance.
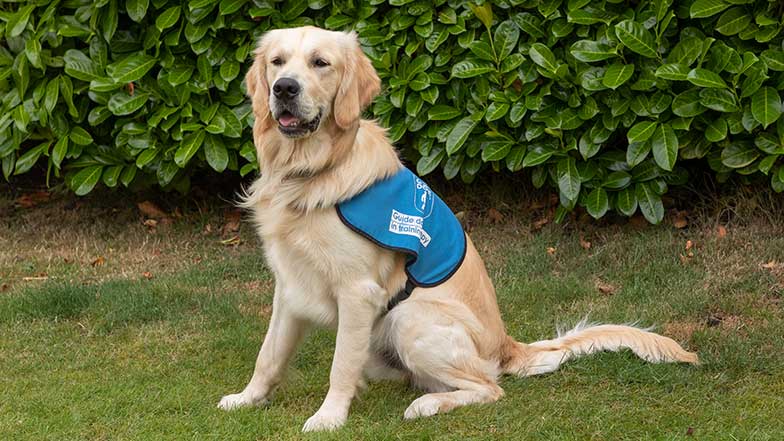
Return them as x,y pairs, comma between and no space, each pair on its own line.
102,352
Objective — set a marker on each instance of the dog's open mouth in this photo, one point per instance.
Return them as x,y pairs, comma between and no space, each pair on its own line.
293,126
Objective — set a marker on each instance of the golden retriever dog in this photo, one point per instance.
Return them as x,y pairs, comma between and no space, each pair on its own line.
308,88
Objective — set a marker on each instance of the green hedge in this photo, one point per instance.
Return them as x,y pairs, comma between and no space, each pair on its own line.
603,100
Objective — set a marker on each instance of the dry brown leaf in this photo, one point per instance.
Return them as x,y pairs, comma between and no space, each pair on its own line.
551,251
721,232
679,221
207,230
689,244
231,222
495,216
152,223
30,200
98,261
604,287
151,210
538,224
147,275
230,227
584,243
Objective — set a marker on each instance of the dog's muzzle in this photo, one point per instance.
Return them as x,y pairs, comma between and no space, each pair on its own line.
293,125
290,120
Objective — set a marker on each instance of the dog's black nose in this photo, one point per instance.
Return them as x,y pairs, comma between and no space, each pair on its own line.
285,88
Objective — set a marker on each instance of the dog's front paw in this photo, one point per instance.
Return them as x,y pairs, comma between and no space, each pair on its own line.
324,420
242,399
423,406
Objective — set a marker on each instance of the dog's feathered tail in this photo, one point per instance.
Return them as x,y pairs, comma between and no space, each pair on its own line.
586,338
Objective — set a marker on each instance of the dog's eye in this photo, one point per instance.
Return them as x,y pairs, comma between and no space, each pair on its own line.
277,61
320,62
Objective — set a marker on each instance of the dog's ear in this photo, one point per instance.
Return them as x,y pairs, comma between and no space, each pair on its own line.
359,85
258,88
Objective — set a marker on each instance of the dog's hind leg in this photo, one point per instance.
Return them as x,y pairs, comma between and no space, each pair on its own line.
438,350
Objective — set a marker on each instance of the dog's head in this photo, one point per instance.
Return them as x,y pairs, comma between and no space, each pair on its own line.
306,78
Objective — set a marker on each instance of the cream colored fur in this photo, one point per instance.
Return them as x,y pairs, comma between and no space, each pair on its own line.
448,340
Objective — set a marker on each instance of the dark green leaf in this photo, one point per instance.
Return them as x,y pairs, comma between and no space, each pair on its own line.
427,164
443,112
18,22
229,70
111,175
459,134
482,50
123,104
541,55
719,99
130,68
766,106
505,38
641,131
216,153
673,71
774,59
496,150
716,130
664,144
84,181
650,202
733,21
496,111
687,104
79,66
190,144
167,18
537,154
634,36
617,74
568,178
59,151
136,9
29,158
705,78
470,69
617,180
514,160
626,201
706,8
739,155
597,203
79,136
590,51
636,152
230,6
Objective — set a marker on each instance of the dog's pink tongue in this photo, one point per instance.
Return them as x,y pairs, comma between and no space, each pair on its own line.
288,120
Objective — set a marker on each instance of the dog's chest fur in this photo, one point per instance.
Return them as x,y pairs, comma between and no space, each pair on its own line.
316,258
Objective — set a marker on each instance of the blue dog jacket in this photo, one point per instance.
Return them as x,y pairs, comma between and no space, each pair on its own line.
401,213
